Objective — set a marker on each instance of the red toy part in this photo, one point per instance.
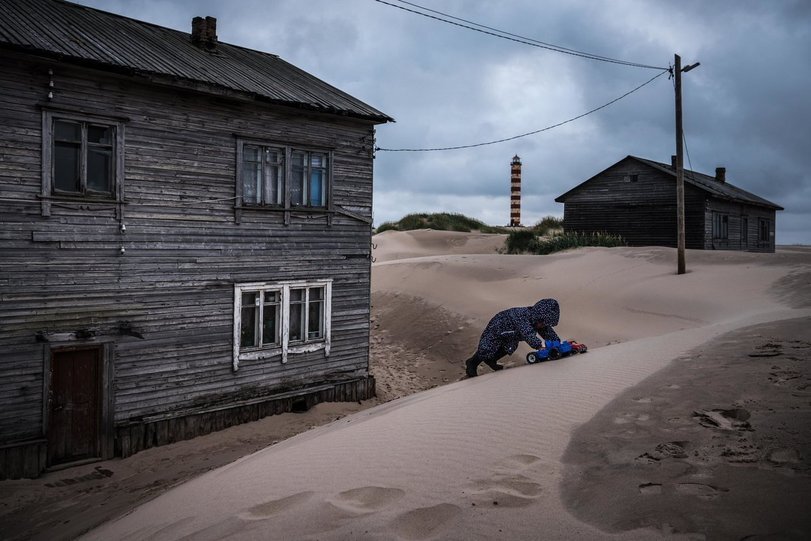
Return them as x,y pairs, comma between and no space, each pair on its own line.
578,347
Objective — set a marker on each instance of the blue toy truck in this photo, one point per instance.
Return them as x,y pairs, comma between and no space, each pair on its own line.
555,349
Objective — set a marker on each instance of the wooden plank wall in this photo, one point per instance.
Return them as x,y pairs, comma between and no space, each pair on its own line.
184,251
736,212
643,212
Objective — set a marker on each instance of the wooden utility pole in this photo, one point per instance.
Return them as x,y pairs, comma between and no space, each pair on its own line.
677,71
679,169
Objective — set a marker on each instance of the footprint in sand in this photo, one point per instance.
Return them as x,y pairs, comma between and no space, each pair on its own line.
268,509
650,488
425,522
520,461
705,492
507,487
626,418
366,499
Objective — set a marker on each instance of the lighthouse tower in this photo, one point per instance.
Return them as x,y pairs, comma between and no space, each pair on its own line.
515,192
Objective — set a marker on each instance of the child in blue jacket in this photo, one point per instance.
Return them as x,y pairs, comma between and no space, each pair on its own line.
511,326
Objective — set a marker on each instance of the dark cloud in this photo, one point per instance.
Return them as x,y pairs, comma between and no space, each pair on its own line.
745,107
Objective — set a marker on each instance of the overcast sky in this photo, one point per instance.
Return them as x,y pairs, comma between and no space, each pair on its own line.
747,106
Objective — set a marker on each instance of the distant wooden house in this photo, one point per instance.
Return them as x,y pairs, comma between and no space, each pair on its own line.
185,233
636,198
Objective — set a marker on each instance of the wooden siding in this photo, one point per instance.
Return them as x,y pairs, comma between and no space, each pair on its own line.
184,251
738,214
638,202
642,211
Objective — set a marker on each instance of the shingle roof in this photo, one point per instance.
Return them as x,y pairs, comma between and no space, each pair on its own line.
707,183
83,35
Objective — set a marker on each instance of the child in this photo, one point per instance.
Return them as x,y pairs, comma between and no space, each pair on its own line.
511,326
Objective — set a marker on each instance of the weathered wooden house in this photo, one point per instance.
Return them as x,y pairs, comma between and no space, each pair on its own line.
636,198
185,234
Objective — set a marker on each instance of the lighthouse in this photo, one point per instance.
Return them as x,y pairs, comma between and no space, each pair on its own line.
515,192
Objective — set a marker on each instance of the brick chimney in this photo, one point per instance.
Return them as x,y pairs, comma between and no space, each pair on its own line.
515,192
204,32
721,174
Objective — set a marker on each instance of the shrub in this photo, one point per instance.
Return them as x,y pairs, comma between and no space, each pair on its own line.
547,224
565,241
519,241
386,226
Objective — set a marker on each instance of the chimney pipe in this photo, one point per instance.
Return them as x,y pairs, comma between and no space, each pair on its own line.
721,174
198,30
204,32
211,32
515,192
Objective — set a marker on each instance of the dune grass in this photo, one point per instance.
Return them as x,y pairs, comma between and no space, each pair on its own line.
441,221
526,241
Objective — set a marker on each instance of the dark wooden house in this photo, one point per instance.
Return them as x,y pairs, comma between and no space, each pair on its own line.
636,198
185,233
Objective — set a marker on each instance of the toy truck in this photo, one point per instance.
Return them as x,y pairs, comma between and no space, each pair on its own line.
555,349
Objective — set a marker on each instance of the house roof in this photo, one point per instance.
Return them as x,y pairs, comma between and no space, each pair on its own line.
82,35
707,183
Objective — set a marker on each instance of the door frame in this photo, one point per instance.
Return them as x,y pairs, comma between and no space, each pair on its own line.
106,436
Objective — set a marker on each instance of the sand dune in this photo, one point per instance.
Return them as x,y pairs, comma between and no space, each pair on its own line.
487,457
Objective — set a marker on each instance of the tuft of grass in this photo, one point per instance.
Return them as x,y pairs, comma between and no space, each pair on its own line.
442,221
547,225
559,242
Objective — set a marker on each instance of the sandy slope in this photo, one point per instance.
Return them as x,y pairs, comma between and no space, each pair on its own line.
483,458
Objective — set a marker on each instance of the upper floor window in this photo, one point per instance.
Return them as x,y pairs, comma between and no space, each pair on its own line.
82,156
282,176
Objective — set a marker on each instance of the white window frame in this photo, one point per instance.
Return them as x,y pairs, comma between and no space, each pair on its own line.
286,347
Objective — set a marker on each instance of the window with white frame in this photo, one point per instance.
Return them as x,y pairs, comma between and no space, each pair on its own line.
276,319
270,175
82,156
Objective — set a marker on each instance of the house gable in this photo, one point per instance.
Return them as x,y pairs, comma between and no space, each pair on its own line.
52,29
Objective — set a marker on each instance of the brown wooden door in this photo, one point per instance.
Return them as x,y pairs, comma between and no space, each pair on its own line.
75,405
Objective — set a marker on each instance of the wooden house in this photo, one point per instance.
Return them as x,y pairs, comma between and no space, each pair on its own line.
185,235
636,199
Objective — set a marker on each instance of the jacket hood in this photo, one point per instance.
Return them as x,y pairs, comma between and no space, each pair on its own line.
546,311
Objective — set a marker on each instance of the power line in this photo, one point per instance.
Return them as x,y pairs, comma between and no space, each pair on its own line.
528,133
476,27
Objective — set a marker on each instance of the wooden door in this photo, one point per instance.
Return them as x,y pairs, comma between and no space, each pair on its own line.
74,405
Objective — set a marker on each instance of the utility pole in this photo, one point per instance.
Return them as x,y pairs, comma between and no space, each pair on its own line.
682,267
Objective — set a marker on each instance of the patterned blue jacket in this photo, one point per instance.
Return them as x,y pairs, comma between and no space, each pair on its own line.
509,327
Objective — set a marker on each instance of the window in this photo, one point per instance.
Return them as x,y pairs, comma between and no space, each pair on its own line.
764,230
720,226
280,318
82,156
282,176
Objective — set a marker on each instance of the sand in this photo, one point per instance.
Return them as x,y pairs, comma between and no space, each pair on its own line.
689,411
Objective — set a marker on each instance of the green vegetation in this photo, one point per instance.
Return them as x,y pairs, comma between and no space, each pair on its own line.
547,225
441,221
545,237
519,242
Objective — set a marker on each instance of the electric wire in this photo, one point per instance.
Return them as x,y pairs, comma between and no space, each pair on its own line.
547,128
512,37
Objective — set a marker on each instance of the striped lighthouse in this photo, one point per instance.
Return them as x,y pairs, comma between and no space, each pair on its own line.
515,192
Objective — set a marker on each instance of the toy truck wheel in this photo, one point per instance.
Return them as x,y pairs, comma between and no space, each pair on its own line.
532,358
554,354
583,349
